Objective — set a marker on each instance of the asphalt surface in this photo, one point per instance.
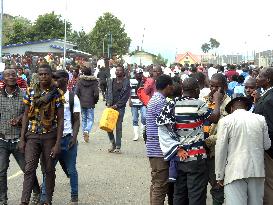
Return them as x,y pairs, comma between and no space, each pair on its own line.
104,178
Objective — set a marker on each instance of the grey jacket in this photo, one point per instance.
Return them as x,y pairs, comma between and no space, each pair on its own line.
124,94
88,91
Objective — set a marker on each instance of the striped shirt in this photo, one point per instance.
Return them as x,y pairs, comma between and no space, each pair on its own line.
154,108
185,118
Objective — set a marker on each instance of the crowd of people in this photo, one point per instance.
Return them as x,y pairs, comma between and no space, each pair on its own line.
201,124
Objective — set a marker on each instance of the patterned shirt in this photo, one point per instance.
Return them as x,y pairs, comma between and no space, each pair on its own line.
134,98
35,125
10,107
154,108
185,118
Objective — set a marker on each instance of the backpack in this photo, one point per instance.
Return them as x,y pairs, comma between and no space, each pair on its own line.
71,106
143,97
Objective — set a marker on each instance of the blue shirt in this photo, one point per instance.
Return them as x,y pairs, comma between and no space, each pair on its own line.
154,108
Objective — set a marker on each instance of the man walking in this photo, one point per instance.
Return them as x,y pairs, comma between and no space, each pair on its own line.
159,168
264,107
117,95
11,112
68,155
88,92
242,139
135,103
42,129
103,75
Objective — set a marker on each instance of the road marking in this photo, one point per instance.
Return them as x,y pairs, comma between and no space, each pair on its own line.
15,175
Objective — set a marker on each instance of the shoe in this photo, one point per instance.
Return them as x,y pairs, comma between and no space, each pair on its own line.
74,200
117,151
35,199
136,133
112,148
86,136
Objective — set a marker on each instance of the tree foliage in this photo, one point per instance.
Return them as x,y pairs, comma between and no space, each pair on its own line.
213,43
160,60
108,26
49,26
81,39
205,47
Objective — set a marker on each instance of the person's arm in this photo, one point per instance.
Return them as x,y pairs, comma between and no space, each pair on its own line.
221,151
96,93
124,98
267,141
60,128
25,121
215,115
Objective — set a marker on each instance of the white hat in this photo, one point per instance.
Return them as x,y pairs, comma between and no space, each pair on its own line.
139,70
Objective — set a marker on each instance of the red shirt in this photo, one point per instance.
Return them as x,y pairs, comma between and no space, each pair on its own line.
231,73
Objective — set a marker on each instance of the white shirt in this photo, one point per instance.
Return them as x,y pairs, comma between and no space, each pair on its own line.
211,72
67,115
113,72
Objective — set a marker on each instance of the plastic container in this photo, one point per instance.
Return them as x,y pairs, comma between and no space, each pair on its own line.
109,119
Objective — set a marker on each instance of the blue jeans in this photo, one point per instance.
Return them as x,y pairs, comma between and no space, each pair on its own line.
69,157
87,119
135,114
6,149
117,142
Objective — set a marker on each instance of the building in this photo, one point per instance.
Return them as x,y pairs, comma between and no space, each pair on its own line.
187,58
140,58
43,47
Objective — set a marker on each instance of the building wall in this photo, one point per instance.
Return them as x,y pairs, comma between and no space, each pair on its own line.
39,47
187,59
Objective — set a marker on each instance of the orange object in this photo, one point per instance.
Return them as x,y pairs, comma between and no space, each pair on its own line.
109,119
143,97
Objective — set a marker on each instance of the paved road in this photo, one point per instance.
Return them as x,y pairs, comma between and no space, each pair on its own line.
104,179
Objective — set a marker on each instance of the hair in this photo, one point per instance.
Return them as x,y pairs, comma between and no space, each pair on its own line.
200,77
177,92
190,84
87,71
269,74
163,81
240,79
47,67
220,77
234,78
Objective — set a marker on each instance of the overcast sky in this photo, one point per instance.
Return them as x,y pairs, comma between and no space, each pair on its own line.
170,26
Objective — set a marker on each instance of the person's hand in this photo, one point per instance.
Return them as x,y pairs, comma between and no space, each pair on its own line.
72,142
114,107
218,96
220,182
256,95
15,121
55,150
21,146
182,154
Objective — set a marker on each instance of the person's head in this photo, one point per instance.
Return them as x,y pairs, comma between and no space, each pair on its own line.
75,73
87,71
250,86
177,90
138,73
45,74
241,79
217,81
164,85
254,73
265,78
234,78
238,103
201,78
9,77
191,88
61,78
120,72
221,69
19,71
157,71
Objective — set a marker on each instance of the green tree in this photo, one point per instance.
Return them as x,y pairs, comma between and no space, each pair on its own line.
20,32
108,26
205,47
160,60
214,43
49,26
81,39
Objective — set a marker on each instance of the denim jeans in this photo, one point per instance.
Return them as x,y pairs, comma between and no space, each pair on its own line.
117,142
69,157
135,114
87,119
6,149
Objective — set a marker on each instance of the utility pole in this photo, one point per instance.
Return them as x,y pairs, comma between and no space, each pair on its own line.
1,30
64,63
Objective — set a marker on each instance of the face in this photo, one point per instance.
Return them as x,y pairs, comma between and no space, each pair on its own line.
254,74
169,90
250,87
215,85
45,76
262,79
61,83
138,76
119,72
20,71
10,77
157,72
